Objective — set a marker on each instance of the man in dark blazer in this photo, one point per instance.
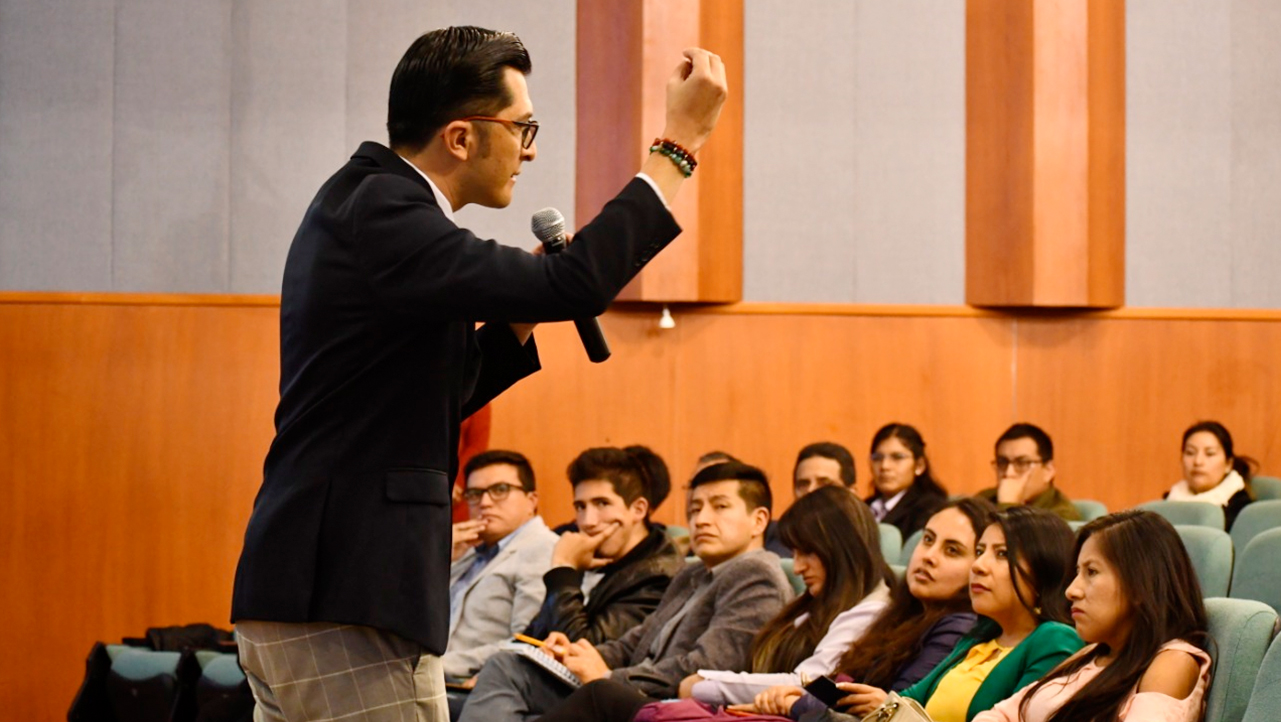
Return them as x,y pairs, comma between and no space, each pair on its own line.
341,593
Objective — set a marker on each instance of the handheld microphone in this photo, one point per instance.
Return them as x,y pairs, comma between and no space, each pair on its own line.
548,226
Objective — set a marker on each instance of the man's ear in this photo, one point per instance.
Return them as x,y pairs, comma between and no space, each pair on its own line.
639,508
760,521
1048,469
459,137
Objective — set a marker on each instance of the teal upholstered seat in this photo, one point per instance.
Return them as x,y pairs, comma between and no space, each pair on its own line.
1256,576
1266,487
891,543
1265,700
909,546
1242,630
1212,556
1257,517
1196,513
1090,509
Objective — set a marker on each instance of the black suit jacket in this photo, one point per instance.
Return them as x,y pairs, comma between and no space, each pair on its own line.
913,510
380,362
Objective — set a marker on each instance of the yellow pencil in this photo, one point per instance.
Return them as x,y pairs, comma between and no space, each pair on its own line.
529,640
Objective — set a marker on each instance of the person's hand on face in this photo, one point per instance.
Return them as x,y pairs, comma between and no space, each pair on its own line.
466,534
578,549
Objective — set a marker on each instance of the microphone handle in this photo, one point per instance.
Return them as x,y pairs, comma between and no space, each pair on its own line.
589,332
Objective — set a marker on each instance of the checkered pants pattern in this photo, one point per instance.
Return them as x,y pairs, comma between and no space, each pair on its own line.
319,672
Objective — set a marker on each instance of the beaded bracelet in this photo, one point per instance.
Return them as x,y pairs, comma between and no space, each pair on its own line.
683,159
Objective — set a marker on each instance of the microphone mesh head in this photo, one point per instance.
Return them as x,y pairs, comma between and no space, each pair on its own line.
547,224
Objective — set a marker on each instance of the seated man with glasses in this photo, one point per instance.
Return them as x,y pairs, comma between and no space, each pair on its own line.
499,558
1024,468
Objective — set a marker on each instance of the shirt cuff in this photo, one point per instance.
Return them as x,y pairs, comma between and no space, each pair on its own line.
654,185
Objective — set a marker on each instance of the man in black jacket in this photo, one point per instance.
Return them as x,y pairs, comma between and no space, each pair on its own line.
341,594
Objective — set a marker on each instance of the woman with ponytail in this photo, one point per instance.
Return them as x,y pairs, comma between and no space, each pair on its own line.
1212,471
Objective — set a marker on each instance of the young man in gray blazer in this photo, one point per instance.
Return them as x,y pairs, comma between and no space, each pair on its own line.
708,615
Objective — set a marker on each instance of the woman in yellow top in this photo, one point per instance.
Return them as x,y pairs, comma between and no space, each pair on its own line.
1017,585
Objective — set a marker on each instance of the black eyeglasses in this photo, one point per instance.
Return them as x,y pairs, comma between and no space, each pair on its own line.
497,492
1021,465
528,128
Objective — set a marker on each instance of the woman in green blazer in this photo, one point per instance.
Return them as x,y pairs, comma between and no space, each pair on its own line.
1017,586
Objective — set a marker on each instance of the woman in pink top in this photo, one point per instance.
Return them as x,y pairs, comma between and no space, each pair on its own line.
1136,597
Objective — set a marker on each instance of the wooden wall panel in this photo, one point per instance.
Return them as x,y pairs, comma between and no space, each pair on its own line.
134,433
1117,393
132,445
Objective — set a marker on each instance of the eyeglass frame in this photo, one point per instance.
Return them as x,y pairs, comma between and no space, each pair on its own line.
1021,466
473,496
528,128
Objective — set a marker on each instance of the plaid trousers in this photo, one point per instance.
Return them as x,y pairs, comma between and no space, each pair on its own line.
318,671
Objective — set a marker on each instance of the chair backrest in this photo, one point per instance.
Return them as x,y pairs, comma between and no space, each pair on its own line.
1198,513
1256,517
1265,700
1242,630
1090,509
1255,576
1211,553
1266,487
798,584
1075,526
891,543
899,570
909,546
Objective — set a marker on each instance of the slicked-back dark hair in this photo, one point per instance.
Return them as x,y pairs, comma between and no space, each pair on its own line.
627,470
753,485
835,452
494,457
1159,583
449,74
1023,430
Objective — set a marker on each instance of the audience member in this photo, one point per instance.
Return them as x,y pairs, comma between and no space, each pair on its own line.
1017,586
905,492
1024,468
658,484
837,551
499,557
1213,472
1136,599
706,619
606,578
928,613
823,463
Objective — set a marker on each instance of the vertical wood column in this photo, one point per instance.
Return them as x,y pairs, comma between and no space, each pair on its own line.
626,51
1045,153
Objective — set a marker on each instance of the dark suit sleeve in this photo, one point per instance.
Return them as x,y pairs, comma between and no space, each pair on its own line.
503,362
422,265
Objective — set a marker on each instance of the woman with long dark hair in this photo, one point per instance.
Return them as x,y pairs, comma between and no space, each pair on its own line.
1213,472
837,552
1017,588
904,490
929,611
1136,599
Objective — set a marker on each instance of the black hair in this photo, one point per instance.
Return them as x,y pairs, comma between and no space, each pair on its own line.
629,471
829,450
1042,542
753,486
1159,583
658,478
494,457
449,74
1242,465
1023,430
911,438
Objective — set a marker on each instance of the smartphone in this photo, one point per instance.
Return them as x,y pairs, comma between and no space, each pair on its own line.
825,689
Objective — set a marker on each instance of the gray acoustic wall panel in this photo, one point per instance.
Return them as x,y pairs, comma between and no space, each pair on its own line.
854,187
288,123
56,65
172,152
1203,147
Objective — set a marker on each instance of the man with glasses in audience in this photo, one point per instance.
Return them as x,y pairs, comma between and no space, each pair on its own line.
499,558
1024,467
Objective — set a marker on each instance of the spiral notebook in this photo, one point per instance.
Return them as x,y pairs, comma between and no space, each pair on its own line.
556,669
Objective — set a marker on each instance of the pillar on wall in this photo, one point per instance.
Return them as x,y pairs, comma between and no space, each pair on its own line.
1045,153
626,51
